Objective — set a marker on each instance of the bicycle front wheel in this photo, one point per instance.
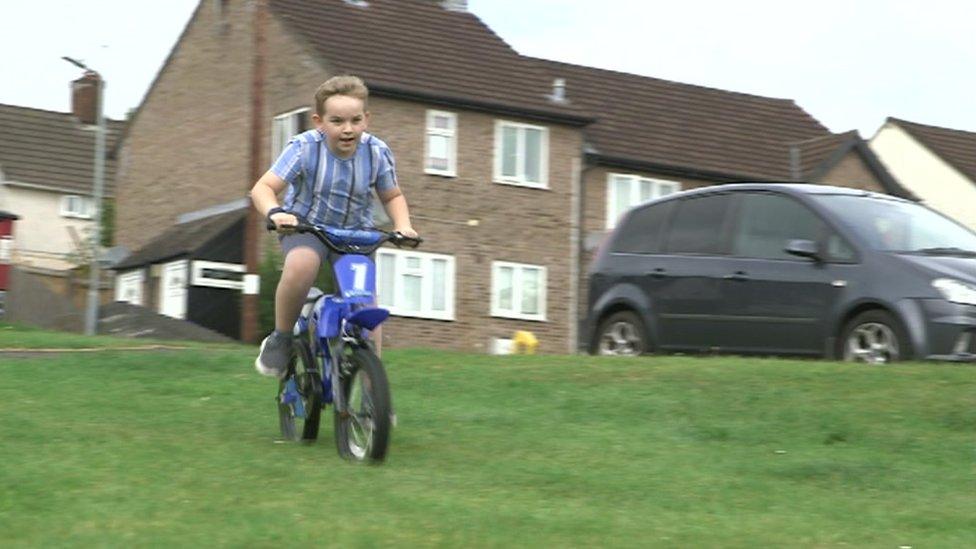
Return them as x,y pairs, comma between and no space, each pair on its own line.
300,397
362,432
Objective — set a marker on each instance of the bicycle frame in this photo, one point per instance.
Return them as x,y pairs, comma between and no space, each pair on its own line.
336,321
345,319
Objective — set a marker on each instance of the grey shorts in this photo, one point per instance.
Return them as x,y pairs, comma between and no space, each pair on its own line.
291,241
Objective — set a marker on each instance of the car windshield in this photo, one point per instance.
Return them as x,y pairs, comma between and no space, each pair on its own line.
898,226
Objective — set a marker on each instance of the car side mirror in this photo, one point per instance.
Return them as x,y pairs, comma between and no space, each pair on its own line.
803,248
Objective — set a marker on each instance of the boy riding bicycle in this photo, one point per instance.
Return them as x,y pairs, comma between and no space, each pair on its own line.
330,173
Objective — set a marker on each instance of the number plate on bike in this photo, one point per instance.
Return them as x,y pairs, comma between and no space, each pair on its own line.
356,276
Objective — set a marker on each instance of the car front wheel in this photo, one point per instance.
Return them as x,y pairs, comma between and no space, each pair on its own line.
621,334
874,337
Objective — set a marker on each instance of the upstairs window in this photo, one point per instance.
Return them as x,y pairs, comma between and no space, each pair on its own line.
441,144
626,191
285,126
521,154
79,207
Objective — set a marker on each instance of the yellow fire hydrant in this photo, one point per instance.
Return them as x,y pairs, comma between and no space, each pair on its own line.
524,342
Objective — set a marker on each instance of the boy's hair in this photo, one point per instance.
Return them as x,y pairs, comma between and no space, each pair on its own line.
345,84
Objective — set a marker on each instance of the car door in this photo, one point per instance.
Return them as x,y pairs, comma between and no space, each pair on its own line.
636,249
688,273
781,303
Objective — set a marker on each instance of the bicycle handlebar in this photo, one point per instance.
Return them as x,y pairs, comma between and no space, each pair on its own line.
364,242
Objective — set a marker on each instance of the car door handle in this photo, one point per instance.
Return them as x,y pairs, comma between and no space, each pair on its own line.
657,273
738,276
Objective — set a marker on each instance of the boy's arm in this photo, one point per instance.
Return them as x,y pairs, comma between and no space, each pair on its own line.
395,205
264,195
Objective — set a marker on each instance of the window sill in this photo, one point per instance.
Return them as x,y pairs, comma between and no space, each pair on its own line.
422,316
515,316
440,173
512,183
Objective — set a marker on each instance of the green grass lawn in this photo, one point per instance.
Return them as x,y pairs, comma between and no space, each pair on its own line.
179,448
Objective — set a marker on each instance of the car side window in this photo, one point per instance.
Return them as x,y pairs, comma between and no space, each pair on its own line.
839,250
640,231
767,223
698,225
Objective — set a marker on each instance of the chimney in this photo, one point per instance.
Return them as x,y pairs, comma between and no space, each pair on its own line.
84,98
455,5
558,90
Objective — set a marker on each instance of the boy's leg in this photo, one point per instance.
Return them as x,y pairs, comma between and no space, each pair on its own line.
297,276
301,267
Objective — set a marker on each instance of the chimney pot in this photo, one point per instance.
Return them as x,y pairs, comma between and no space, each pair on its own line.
558,90
455,5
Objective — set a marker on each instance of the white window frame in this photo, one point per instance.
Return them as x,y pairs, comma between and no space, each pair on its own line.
517,270
77,206
658,186
126,279
450,134
426,281
278,138
6,249
519,178
197,277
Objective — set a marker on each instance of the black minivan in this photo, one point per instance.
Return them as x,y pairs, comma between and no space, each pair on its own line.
790,269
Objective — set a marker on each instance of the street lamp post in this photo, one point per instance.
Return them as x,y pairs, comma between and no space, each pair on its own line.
91,313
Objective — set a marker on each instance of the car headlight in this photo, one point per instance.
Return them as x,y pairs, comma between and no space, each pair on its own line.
956,291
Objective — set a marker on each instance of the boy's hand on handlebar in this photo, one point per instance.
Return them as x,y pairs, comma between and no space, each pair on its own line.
406,231
284,222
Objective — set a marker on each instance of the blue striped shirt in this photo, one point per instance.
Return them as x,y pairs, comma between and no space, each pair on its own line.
328,190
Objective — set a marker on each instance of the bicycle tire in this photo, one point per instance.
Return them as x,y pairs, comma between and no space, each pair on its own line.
295,424
362,434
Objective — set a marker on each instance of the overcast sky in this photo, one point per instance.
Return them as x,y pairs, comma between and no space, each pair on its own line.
848,63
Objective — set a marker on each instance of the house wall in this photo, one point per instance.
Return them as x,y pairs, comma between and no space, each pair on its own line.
852,172
468,217
42,237
178,131
187,148
925,174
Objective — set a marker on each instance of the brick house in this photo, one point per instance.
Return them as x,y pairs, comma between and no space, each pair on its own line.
46,172
514,167
937,164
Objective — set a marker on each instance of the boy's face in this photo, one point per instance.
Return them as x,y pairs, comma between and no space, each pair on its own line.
343,123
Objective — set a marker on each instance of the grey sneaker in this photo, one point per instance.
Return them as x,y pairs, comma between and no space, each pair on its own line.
276,353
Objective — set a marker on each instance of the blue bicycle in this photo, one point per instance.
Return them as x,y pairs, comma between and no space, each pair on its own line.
333,350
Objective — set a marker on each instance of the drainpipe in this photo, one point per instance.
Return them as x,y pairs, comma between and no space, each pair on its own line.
576,203
794,163
252,224
577,240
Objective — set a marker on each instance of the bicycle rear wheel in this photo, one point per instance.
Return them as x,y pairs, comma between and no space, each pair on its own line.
300,397
362,433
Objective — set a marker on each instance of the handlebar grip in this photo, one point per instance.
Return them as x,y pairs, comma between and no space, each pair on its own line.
300,228
408,241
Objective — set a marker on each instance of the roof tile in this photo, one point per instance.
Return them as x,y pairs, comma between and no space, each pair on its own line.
957,147
52,149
